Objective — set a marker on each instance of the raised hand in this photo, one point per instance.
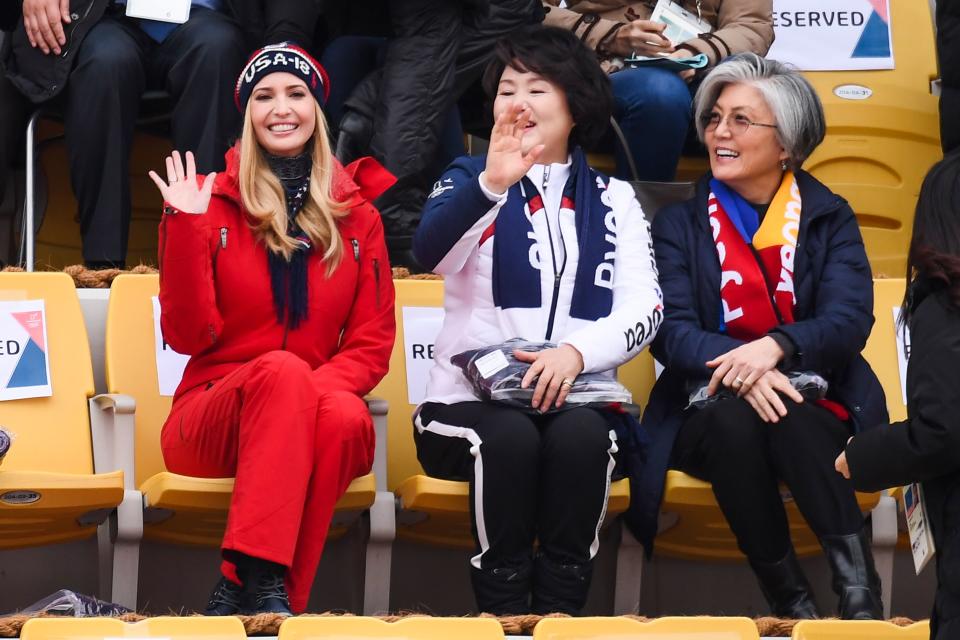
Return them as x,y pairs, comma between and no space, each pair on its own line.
182,192
506,160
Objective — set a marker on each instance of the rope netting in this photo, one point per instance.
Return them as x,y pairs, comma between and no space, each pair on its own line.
101,278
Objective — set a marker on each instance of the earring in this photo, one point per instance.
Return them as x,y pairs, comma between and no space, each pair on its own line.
783,165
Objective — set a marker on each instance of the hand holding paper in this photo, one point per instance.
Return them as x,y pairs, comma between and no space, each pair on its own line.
641,37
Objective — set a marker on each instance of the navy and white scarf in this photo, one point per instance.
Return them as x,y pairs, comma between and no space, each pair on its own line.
288,277
516,282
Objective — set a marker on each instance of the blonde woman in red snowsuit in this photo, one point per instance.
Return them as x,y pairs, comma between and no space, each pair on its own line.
274,279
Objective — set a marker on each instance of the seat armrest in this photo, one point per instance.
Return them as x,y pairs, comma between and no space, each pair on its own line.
112,432
378,411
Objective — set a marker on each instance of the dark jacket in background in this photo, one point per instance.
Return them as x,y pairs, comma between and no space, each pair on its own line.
834,315
396,114
926,447
948,53
40,77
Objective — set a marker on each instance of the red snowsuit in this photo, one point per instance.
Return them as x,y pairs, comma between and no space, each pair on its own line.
281,410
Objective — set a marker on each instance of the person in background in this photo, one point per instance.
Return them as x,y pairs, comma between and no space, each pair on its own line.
534,244
404,113
274,279
652,104
96,63
926,446
765,275
948,55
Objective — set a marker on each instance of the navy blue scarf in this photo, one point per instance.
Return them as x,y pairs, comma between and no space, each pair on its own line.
516,282
288,277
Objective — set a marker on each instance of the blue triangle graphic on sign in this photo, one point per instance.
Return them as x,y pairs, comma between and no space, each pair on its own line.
875,39
31,371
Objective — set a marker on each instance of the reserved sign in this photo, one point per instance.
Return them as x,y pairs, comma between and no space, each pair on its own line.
833,35
24,364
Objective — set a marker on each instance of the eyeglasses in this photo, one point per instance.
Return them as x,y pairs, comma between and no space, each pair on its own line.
737,123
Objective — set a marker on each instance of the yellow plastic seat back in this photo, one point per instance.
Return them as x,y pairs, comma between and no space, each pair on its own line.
48,491
402,454
180,628
413,628
881,348
859,630
131,365
53,433
669,628
877,150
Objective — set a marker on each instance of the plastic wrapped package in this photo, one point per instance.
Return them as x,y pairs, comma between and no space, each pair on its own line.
76,605
810,385
495,375
5,440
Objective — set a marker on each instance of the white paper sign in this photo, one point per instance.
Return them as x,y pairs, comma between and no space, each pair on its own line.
177,11
170,364
24,365
833,35
420,328
903,352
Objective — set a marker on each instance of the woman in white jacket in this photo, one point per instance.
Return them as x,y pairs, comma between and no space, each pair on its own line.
534,244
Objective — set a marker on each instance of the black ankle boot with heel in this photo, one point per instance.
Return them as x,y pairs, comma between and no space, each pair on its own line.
855,578
785,588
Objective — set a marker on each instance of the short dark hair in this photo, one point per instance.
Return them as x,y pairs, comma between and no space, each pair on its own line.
934,256
558,56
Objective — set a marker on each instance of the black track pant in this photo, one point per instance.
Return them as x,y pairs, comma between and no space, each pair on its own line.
744,458
531,477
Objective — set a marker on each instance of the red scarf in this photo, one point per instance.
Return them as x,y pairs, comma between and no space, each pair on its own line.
756,284
756,262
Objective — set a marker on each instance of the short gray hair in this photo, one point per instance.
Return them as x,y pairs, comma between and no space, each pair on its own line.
796,107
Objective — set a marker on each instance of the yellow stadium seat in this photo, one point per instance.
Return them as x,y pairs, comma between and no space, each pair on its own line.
185,628
412,628
437,512
192,511
692,526
52,490
881,349
859,630
877,150
668,628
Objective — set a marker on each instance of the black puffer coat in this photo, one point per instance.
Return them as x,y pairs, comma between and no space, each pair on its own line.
948,51
440,47
925,447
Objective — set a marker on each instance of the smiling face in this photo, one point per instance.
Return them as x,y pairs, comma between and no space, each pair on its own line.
283,113
749,162
550,119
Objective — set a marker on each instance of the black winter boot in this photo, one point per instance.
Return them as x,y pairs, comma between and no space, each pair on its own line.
855,578
263,587
225,599
560,588
786,588
502,591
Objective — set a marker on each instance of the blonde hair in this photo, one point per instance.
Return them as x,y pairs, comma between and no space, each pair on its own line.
264,199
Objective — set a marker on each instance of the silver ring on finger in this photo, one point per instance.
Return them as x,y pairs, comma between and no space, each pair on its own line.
567,382
738,382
